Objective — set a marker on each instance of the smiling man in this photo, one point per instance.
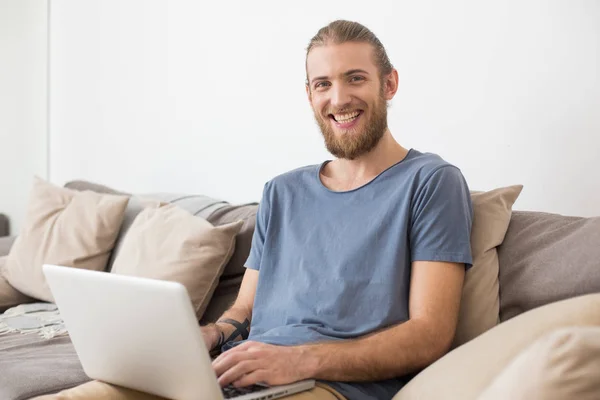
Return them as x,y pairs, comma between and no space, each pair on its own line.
357,264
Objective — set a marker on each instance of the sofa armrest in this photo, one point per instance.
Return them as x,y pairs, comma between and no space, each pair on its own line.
6,243
4,225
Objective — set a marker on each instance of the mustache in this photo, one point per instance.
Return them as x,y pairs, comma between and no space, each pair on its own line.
343,110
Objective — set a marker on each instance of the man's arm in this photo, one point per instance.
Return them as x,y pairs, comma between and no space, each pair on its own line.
434,303
241,311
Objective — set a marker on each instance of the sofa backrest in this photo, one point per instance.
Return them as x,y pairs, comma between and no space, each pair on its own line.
543,258
546,258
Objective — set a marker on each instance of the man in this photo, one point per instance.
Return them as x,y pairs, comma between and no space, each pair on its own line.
357,264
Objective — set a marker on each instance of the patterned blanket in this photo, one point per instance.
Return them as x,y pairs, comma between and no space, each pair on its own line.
41,318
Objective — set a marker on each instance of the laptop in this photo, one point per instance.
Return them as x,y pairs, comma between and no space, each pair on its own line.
143,334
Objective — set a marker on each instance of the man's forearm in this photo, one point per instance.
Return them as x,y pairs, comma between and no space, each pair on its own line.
387,354
227,331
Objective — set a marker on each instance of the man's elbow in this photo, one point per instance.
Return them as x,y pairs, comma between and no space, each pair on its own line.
436,344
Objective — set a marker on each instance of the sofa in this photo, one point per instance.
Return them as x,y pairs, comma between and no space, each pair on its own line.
529,326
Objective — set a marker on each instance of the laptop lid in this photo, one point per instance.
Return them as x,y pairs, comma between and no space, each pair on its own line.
134,332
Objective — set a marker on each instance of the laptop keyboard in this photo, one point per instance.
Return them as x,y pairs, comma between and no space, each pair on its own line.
232,391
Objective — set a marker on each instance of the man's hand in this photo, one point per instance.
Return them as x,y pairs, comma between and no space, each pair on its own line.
254,362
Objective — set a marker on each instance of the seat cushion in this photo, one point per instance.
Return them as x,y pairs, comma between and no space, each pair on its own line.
32,365
465,372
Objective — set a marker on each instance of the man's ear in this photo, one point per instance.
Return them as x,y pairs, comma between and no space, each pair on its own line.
308,93
391,84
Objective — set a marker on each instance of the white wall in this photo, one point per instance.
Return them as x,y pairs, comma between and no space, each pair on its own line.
23,102
208,97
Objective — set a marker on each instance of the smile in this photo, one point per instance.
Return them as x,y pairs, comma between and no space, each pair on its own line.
346,120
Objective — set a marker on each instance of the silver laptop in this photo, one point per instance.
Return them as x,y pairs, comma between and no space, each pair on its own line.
143,334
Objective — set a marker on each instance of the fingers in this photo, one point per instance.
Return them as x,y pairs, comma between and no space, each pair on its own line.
238,372
230,358
236,349
259,375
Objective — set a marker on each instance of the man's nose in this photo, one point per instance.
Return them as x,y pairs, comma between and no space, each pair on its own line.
340,97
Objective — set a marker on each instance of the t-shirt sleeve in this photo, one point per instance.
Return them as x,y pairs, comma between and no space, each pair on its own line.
260,231
442,217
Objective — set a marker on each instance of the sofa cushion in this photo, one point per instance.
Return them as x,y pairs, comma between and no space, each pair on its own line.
243,241
32,365
215,211
465,372
9,296
135,205
171,244
64,227
479,307
564,364
545,258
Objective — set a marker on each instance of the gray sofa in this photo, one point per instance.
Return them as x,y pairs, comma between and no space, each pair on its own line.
545,259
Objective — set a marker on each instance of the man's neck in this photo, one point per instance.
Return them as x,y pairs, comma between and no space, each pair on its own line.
343,174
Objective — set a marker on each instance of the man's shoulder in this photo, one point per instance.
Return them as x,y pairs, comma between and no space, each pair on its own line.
293,177
425,164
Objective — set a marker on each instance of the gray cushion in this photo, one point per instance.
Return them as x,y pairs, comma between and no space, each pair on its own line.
196,204
545,258
243,240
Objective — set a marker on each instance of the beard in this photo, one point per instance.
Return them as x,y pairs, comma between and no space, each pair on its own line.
355,143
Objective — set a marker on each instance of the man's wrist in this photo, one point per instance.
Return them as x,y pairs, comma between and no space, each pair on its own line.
310,360
217,335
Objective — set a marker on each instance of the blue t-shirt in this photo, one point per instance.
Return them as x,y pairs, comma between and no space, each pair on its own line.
336,265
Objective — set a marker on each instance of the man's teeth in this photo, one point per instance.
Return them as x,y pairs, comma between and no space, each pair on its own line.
343,118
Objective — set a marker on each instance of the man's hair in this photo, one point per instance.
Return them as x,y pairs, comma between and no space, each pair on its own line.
341,31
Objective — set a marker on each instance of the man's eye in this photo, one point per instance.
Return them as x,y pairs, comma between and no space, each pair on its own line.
321,84
356,79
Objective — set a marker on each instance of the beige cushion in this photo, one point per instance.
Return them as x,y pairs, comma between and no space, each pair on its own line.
547,257
479,307
65,227
564,364
169,243
9,296
465,372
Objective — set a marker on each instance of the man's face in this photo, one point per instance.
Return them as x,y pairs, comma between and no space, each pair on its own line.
347,97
